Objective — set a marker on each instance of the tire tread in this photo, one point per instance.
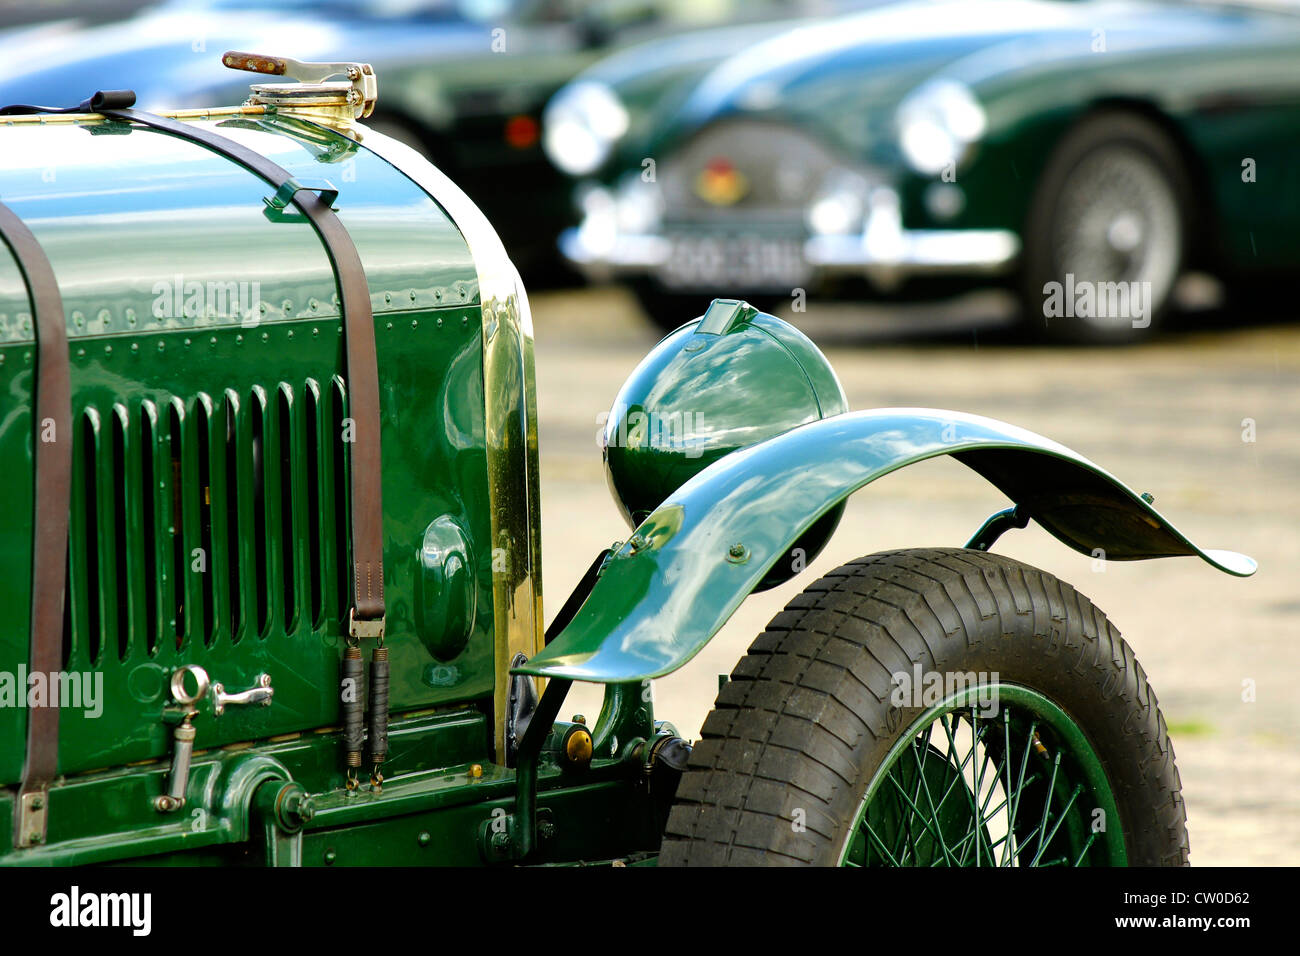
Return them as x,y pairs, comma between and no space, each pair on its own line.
809,705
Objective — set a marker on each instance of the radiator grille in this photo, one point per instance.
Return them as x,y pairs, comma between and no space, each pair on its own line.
206,519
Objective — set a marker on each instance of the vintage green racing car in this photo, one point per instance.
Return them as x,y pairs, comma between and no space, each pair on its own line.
272,549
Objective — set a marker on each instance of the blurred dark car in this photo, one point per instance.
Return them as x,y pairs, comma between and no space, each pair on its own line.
17,12
464,80
1087,153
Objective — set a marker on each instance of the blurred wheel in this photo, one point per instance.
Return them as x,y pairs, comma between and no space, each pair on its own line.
1106,233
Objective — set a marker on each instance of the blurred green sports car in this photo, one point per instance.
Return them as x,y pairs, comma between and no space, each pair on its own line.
1088,153
464,80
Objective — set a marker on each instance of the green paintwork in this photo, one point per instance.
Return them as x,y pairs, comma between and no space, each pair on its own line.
445,591
436,795
132,211
656,606
934,832
218,433
693,398
452,75
126,211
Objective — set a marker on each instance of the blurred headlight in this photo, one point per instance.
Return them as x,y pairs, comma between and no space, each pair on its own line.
937,124
599,229
581,124
639,205
839,206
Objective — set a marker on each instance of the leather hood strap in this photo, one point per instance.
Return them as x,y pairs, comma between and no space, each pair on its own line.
359,342
52,453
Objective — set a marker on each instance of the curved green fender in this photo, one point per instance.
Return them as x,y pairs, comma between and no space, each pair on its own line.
674,583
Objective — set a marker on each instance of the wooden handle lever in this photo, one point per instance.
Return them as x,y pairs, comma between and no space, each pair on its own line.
255,63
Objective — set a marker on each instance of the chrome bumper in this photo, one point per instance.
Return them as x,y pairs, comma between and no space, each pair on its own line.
883,252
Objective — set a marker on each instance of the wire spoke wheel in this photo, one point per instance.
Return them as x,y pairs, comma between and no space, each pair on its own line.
933,707
967,784
1109,226
1117,221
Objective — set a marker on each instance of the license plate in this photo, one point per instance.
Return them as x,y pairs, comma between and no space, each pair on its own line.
746,262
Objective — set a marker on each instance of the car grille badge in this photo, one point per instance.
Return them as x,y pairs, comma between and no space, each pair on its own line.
720,183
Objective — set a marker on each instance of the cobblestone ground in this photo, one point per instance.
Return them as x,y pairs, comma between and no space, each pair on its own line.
1165,417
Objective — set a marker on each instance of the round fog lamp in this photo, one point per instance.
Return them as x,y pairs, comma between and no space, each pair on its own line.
944,200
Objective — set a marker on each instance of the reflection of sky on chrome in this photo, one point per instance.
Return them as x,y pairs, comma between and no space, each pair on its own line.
98,199
725,386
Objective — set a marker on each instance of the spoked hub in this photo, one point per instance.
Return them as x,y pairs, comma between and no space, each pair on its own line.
1118,221
997,775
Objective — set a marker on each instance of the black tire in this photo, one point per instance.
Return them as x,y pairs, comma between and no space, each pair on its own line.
806,719
1071,187
667,310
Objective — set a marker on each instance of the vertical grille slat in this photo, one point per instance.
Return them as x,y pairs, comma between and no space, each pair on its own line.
240,492
129,512
196,469
329,466
269,579
224,600
316,495
106,558
156,506
83,588
198,521
293,505
179,507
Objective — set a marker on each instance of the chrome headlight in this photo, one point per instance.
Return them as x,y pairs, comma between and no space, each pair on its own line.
580,125
937,123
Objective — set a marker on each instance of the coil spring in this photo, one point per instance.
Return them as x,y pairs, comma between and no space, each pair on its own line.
353,710
378,736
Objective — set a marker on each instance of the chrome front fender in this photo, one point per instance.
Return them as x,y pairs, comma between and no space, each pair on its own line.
677,580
